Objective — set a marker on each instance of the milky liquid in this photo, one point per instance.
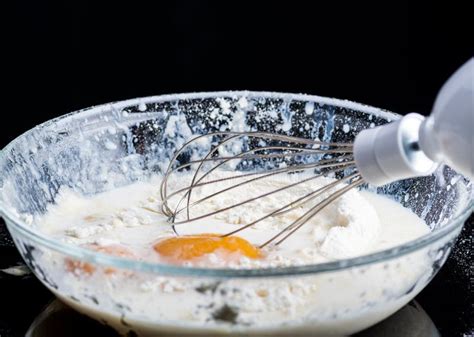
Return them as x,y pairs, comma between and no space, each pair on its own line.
337,303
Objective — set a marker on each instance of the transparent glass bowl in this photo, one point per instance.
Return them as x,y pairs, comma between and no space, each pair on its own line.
112,145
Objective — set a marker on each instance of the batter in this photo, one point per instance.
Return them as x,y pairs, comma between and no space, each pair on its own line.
127,222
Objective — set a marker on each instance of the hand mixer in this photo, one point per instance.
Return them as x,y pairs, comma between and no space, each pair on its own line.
409,147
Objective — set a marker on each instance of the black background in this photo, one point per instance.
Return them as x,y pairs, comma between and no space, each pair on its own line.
61,57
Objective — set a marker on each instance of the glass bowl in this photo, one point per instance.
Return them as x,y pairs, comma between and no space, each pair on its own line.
112,145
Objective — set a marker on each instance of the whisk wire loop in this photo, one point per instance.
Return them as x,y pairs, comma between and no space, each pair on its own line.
291,152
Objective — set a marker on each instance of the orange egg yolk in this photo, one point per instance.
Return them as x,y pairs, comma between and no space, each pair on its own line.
189,247
87,268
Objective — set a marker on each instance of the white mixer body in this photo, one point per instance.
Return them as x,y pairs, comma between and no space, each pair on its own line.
448,134
414,146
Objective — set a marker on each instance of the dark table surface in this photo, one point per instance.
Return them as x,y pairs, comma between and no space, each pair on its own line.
447,300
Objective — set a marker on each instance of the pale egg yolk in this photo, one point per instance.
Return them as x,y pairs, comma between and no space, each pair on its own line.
87,268
189,247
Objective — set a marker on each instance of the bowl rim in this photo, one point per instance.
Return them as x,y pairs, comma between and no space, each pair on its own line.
18,226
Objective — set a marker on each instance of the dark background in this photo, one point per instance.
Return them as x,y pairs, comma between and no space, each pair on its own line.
394,55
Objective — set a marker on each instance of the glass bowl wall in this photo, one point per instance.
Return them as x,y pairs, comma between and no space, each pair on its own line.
112,145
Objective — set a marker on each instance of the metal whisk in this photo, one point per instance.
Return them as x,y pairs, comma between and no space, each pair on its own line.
262,149
410,147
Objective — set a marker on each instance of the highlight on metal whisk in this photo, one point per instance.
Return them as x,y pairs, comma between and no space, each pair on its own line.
252,156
